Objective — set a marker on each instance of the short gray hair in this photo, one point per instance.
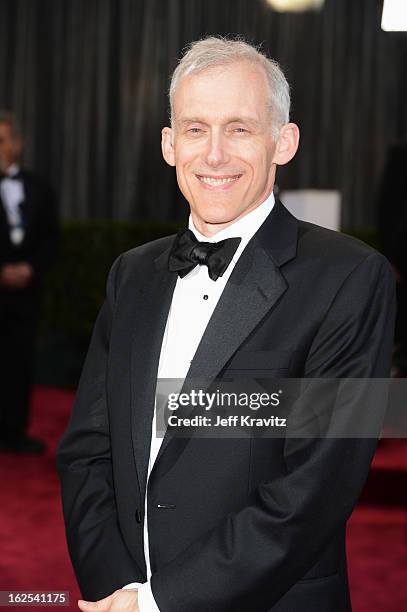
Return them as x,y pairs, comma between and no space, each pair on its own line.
219,51
11,120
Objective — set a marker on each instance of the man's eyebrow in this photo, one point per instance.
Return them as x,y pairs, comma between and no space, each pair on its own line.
249,120
190,120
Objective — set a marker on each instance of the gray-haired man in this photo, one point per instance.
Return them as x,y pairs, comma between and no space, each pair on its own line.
223,524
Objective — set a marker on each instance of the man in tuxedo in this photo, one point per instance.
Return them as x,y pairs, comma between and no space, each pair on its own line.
205,524
28,237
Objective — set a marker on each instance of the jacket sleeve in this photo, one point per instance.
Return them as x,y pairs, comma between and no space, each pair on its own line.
99,555
255,555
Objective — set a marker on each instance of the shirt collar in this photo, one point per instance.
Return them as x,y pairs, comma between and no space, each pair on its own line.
12,170
245,228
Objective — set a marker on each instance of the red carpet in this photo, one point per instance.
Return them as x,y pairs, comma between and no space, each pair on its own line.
33,551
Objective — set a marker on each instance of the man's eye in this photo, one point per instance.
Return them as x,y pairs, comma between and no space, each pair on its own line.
194,130
240,130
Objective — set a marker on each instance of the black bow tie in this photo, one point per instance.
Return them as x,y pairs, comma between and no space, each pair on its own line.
187,252
13,177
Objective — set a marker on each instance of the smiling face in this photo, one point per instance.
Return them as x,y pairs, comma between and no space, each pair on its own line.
222,143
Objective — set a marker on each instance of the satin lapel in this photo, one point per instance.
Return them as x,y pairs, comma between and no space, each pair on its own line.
153,306
254,287
29,204
5,242
248,296
3,218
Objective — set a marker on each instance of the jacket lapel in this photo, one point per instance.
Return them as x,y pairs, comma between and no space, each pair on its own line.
29,204
3,219
254,287
153,306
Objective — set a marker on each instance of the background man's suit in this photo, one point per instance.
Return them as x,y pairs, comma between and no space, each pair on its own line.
257,524
19,307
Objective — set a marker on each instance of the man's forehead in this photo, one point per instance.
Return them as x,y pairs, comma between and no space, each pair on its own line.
222,94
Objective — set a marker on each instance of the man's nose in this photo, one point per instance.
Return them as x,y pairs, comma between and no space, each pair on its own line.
216,153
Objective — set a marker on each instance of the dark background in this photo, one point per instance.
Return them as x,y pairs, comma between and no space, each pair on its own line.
88,79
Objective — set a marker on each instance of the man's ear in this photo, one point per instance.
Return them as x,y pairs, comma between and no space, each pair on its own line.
167,146
287,144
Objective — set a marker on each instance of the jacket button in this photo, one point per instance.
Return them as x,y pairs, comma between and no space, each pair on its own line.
139,516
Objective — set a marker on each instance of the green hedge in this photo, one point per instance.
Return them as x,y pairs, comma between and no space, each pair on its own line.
74,289
368,235
75,286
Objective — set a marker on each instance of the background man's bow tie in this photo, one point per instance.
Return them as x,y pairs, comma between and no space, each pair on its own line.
13,177
187,252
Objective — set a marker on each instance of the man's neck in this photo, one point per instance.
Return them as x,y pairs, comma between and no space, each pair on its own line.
245,226
12,169
209,230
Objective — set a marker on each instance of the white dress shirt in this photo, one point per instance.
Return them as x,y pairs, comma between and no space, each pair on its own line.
12,195
194,299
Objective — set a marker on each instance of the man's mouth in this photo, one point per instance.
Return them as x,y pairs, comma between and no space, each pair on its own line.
217,181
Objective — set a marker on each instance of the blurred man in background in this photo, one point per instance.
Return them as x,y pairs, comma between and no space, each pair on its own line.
28,238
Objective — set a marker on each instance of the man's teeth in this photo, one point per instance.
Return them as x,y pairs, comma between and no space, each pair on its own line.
216,182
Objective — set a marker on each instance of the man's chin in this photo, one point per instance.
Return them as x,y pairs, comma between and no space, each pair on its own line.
217,220
220,215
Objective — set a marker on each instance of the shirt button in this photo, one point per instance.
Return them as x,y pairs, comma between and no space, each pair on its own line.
206,297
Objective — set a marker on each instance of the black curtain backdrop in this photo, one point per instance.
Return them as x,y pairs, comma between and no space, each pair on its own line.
88,79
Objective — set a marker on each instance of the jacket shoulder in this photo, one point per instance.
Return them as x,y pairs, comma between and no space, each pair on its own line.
148,251
137,263
36,181
334,247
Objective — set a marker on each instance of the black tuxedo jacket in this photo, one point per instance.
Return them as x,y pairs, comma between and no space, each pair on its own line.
253,524
39,213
